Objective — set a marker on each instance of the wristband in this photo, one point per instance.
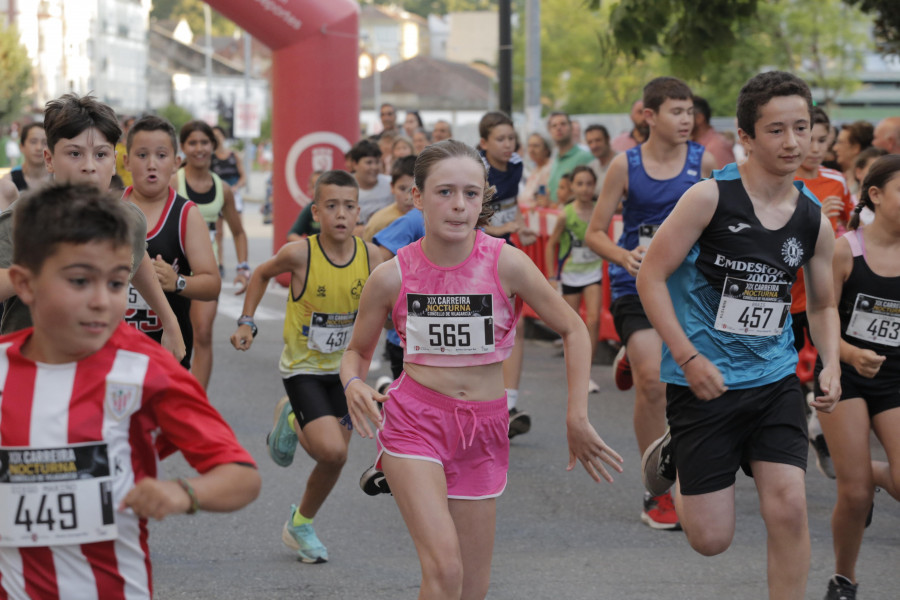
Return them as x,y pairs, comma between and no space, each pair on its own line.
243,267
696,354
248,320
349,382
187,487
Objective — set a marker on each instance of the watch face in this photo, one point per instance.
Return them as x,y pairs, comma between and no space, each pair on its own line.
180,283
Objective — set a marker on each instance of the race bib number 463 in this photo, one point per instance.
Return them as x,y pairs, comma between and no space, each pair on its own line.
462,324
56,496
875,320
753,308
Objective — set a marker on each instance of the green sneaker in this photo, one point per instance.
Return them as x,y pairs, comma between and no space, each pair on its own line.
303,540
282,440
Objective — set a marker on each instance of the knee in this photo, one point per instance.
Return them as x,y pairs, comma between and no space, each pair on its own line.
202,335
331,455
650,387
443,575
708,541
857,498
787,513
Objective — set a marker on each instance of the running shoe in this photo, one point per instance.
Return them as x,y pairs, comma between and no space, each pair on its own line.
659,512
657,466
817,441
622,371
373,482
593,388
282,440
383,383
303,540
840,588
519,422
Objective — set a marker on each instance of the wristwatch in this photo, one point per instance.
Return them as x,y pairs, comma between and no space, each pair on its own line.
248,320
180,284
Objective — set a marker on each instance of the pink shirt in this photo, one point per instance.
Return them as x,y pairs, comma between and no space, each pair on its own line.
717,145
455,316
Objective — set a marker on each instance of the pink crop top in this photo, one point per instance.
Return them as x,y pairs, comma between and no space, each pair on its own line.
454,316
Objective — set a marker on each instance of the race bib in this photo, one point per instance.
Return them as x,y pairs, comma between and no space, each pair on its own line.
56,496
330,332
753,308
135,300
581,254
875,320
645,234
504,212
461,324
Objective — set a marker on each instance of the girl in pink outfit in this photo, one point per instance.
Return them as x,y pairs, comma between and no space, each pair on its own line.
454,297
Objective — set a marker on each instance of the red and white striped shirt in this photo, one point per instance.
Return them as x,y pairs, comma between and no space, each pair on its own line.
125,395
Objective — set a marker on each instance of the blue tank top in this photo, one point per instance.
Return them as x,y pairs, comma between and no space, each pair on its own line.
732,292
648,203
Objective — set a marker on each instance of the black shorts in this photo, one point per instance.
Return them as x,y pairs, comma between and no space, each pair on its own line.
880,393
711,440
395,354
629,316
314,396
577,289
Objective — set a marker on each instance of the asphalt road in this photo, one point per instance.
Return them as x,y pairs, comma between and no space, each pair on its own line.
559,534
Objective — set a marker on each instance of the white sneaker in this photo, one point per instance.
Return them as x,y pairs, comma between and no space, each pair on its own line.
593,388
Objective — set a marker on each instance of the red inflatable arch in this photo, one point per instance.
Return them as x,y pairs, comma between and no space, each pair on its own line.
315,89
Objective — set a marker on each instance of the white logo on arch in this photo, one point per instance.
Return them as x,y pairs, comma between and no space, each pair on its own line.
309,140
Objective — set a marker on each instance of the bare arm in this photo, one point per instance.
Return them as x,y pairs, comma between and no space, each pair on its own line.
291,258
671,244
233,218
615,186
9,193
147,285
707,164
551,250
203,282
520,276
821,310
242,179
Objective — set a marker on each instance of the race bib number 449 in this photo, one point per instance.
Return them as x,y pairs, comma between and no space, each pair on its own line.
462,324
753,308
875,320
56,496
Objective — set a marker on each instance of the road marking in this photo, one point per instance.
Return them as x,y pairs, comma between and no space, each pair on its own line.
233,306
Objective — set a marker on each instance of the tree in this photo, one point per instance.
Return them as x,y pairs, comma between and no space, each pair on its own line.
887,22
15,75
176,115
423,8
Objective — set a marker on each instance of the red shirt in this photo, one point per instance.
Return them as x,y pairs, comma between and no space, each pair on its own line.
122,396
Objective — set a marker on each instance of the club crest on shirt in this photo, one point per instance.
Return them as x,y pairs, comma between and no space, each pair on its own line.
121,398
792,252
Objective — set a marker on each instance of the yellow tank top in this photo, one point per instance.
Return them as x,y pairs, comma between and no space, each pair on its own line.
318,323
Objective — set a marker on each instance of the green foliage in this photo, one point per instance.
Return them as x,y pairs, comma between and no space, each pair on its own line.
887,22
15,75
439,7
192,11
176,115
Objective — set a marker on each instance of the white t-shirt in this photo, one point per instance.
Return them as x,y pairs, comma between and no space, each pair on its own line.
373,200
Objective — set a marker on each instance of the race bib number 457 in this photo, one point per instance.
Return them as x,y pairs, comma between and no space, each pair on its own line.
462,324
56,496
753,308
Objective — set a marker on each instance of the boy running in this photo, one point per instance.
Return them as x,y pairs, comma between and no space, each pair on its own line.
328,271
716,285
650,177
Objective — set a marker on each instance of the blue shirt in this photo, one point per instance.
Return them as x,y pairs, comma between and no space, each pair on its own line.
402,232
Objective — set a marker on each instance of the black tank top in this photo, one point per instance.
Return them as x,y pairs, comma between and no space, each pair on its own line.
869,308
167,240
18,178
227,169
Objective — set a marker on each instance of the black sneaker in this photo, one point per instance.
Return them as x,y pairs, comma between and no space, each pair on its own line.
657,466
519,422
840,588
373,482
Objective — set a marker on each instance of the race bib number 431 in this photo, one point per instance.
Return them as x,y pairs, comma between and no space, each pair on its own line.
462,324
330,332
753,308
875,320
56,496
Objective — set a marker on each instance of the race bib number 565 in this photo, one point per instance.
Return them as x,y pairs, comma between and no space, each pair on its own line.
462,324
56,496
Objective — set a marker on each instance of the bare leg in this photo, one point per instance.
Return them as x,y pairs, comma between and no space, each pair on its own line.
847,433
326,442
707,519
202,316
887,475
644,349
475,525
782,499
593,299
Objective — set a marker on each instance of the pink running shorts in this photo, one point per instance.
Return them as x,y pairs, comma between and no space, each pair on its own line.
469,439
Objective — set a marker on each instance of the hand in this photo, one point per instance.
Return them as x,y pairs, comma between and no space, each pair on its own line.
242,338
165,274
542,200
830,384
361,404
832,206
527,236
704,378
591,450
511,227
866,362
633,259
241,279
152,498
174,343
